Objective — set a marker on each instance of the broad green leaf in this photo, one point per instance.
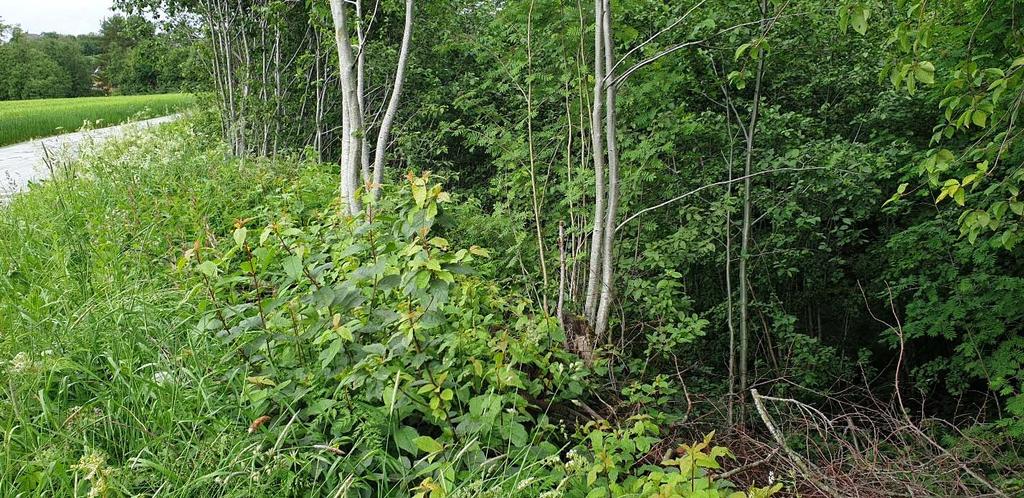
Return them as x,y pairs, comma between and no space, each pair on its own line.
979,118
740,50
419,193
260,380
293,267
405,437
428,444
239,236
327,355
208,268
925,72
859,18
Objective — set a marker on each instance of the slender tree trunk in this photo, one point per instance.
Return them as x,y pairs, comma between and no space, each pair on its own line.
223,47
533,167
745,238
264,86
728,262
346,148
597,146
561,273
216,71
608,261
383,134
364,145
579,234
728,294
353,122
318,105
278,90
245,61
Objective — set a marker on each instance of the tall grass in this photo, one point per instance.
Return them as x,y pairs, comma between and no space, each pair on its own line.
108,385
101,366
22,120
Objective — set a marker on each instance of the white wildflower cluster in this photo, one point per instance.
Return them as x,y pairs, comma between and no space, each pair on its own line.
94,465
472,490
22,363
552,461
532,337
476,489
525,483
552,493
162,377
577,462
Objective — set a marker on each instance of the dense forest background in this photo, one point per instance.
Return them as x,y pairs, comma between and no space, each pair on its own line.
871,246
795,223
849,236
129,55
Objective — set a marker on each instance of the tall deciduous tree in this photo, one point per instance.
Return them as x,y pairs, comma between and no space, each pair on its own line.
355,161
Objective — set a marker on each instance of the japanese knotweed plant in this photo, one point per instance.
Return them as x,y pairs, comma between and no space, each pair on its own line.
372,345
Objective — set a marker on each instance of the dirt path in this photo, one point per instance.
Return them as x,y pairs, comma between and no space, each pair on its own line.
23,163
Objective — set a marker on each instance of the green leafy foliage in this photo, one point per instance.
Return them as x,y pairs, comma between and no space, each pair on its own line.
609,470
376,337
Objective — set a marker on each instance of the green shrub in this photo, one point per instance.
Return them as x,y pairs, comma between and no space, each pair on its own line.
611,461
376,339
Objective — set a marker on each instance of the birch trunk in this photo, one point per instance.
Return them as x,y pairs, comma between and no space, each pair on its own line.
597,146
352,123
346,147
607,249
364,145
384,133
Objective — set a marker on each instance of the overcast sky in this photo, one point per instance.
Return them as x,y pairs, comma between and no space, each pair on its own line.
73,17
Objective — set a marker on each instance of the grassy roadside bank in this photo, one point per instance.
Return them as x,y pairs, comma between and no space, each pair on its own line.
22,120
94,319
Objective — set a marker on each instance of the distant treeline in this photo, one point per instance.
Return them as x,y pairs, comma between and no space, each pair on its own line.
127,56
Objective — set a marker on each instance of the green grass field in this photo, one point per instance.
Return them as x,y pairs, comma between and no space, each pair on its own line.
22,120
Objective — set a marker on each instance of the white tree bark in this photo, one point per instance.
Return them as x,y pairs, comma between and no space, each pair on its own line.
611,135
346,147
384,133
597,145
352,123
364,145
